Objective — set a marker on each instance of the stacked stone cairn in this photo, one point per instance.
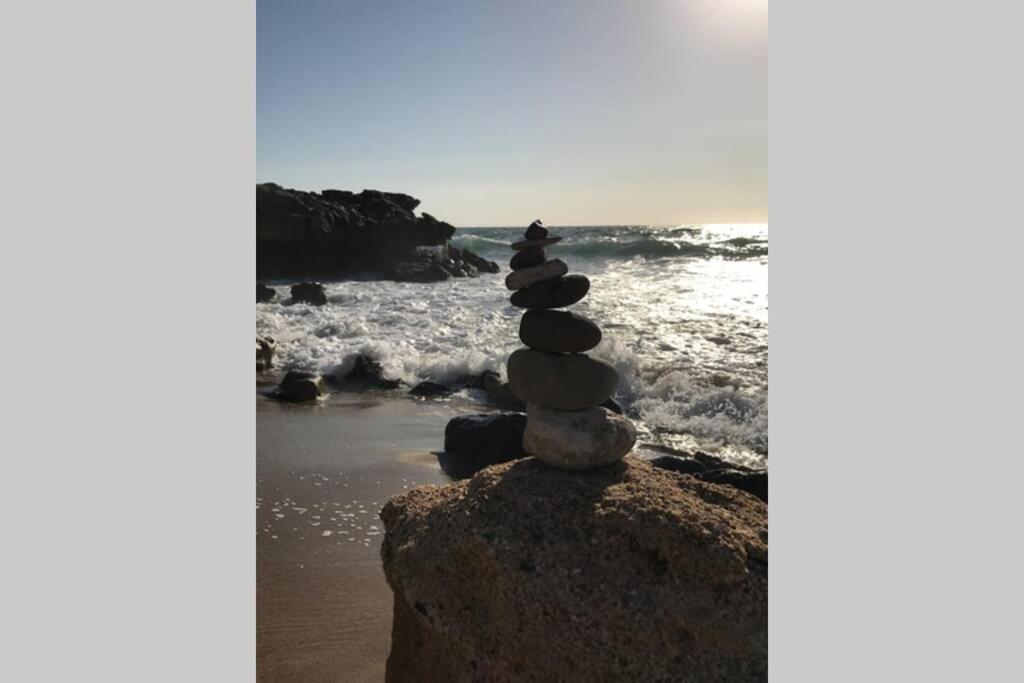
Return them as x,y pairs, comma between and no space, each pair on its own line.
564,389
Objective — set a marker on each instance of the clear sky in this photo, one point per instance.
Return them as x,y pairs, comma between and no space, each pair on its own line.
580,112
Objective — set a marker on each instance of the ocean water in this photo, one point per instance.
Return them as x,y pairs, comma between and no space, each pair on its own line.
683,310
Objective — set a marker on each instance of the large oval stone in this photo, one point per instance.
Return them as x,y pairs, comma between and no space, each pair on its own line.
558,331
577,439
524,258
523,278
556,293
567,381
545,242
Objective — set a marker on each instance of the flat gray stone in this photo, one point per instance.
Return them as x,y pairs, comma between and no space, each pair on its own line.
524,277
577,439
526,244
558,331
566,381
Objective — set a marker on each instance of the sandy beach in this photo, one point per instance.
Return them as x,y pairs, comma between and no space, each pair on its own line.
323,473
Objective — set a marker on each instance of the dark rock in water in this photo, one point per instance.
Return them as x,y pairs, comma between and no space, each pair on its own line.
309,293
478,262
556,293
369,372
264,293
526,244
524,277
482,440
564,381
754,483
536,231
558,331
479,380
612,405
265,347
623,573
676,464
533,256
299,385
721,340
429,389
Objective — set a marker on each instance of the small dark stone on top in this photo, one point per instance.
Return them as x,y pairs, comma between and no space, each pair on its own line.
536,231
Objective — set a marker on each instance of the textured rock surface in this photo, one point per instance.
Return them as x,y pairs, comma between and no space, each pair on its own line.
563,291
577,439
524,277
558,331
623,573
564,381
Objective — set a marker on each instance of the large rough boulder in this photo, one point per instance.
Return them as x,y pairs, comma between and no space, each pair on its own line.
531,573
337,233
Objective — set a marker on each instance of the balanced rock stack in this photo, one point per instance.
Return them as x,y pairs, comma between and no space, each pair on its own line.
563,387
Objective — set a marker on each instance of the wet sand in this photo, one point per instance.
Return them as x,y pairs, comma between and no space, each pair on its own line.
323,473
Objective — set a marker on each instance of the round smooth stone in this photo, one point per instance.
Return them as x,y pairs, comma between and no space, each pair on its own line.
558,331
566,381
526,244
536,231
524,258
577,439
556,293
524,277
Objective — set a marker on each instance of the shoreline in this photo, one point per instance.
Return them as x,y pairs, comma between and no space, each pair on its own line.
323,473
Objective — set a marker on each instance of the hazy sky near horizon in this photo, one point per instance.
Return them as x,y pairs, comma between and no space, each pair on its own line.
579,112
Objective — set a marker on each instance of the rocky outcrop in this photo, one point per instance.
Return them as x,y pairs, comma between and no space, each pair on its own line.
531,573
337,233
